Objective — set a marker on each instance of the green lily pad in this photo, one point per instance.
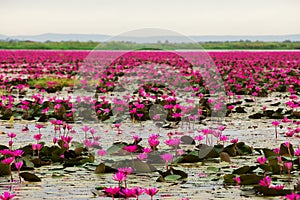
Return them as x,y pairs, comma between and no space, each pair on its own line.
213,169
172,177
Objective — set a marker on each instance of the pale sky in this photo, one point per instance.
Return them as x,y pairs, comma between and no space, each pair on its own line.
112,17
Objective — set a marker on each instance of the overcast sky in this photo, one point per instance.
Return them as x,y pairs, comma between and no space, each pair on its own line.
189,17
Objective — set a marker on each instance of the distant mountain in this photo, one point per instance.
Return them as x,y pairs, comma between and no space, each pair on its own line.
58,37
152,39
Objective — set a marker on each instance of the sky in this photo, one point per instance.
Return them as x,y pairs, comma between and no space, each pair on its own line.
113,17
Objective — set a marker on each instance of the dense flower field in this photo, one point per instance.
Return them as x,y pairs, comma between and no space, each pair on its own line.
191,92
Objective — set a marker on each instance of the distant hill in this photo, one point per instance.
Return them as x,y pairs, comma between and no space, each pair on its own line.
153,39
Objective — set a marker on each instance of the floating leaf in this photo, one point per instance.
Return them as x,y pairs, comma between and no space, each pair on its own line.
244,170
172,177
243,149
214,169
187,140
286,151
30,177
225,157
115,148
191,157
269,153
78,151
4,169
72,169
137,166
228,178
27,162
271,191
102,168
231,149
250,179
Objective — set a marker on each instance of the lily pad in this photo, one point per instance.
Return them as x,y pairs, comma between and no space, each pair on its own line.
102,168
265,191
4,169
30,177
172,177
115,148
250,179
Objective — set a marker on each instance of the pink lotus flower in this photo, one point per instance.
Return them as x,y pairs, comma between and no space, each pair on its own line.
131,148
8,161
237,180
17,153
265,182
117,125
142,156
138,191
7,196
167,157
147,150
19,165
55,140
173,142
87,143
223,138
234,141
125,170
151,191
276,150
278,187
112,190
101,152
39,126
288,165
199,138
119,176
37,146
127,192
153,143
293,196
261,160
11,135
275,123
85,129
37,137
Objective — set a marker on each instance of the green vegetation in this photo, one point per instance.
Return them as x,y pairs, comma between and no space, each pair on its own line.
51,82
75,45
